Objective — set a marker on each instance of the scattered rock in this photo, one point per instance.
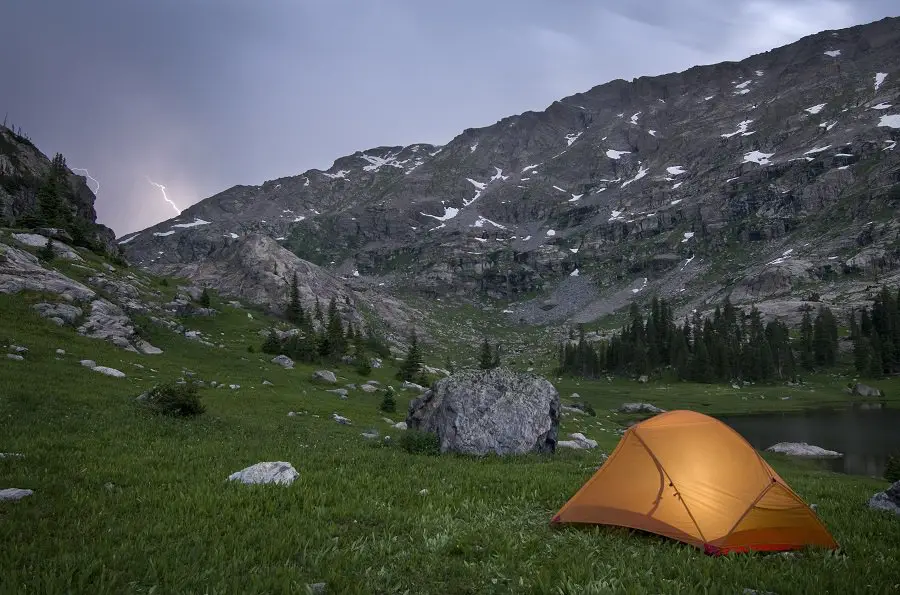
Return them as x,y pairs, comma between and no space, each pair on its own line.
267,383
14,357
11,455
643,379
369,388
60,352
371,434
18,349
575,396
324,376
489,411
317,588
640,408
388,421
88,363
802,449
400,425
234,386
341,419
570,409
338,391
888,500
577,441
283,361
375,363
13,494
864,390
108,371
278,472
413,386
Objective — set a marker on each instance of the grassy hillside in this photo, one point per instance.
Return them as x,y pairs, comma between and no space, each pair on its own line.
129,502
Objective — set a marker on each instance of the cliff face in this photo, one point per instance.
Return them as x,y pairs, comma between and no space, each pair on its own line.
23,169
773,180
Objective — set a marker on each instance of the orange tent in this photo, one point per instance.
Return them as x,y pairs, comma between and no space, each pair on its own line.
690,477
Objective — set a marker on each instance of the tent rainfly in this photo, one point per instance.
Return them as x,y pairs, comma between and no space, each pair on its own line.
692,478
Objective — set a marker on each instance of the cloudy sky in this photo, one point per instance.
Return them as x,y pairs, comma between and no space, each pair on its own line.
200,95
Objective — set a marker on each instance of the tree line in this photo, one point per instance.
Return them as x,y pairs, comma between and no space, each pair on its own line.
876,336
729,345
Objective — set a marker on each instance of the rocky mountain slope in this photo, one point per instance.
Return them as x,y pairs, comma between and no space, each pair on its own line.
773,180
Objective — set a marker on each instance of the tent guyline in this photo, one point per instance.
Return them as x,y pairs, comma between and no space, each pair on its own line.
690,477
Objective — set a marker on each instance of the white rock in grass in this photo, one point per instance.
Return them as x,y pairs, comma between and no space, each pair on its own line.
278,472
14,357
341,419
13,494
283,361
109,371
11,455
88,363
578,441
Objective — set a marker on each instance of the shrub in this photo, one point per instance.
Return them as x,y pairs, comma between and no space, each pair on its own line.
420,443
364,365
175,399
892,469
388,404
46,253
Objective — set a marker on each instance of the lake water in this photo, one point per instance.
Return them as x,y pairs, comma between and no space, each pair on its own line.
866,436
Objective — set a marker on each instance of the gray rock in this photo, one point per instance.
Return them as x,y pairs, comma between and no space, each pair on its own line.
283,361
413,386
577,441
640,408
15,357
490,411
88,363
38,241
11,455
267,383
60,352
341,419
802,449
400,425
575,396
338,391
18,349
643,379
109,371
278,472
376,363
317,588
888,500
570,409
13,494
369,388
324,376
371,434
864,390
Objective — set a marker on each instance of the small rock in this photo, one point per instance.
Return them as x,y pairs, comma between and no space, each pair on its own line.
888,500
400,425
324,376
369,388
388,421
370,434
11,455
234,386
864,390
15,357
88,363
278,472
267,383
341,419
292,413
643,379
283,361
640,408
575,396
18,349
109,371
578,441
423,492
317,588
736,386
13,494
60,352
413,386
338,391
802,449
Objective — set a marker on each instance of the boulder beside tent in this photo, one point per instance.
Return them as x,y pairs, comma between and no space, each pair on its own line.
692,478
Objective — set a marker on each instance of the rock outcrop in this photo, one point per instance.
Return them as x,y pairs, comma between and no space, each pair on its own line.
278,472
495,411
802,449
888,500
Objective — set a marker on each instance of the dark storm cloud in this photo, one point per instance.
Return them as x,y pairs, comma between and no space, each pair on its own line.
203,94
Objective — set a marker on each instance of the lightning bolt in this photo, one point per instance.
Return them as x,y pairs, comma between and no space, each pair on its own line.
88,175
165,197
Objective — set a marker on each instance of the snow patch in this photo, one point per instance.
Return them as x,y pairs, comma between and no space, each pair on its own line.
482,240
575,197
482,220
817,150
757,157
305,182
479,185
449,213
676,170
528,167
741,129
676,185
879,79
499,175
890,145
816,108
615,216
195,223
651,132
571,138
613,154
339,175
759,73
233,235
892,121
642,171
299,218
162,234
638,289
708,98
676,201
473,147
574,273
573,250
828,125
560,189
634,117
833,53
129,239
882,105
687,235
551,233
526,238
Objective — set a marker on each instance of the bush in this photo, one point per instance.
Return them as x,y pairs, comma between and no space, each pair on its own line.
364,365
892,469
420,443
175,399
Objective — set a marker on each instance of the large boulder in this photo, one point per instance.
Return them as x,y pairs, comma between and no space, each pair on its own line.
802,449
640,408
888,500
493,411
864,390
278,472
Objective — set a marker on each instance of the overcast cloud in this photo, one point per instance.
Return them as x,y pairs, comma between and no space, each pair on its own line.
200,95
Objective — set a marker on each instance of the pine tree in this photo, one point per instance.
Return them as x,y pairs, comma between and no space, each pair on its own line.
294,312
807,358
388,403
411,366
318,311
271,345
363,364
205,300
337,344
46,252
486,361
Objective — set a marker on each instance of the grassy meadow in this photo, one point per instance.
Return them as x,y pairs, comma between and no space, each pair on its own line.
130,502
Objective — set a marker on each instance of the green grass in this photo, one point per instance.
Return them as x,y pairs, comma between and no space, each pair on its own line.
130,502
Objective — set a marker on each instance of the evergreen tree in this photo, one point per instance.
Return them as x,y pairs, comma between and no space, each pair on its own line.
388,402
337,343
46,252
317,313
271,345
363,364
205,300
807,357
294,312
410,367
486,361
